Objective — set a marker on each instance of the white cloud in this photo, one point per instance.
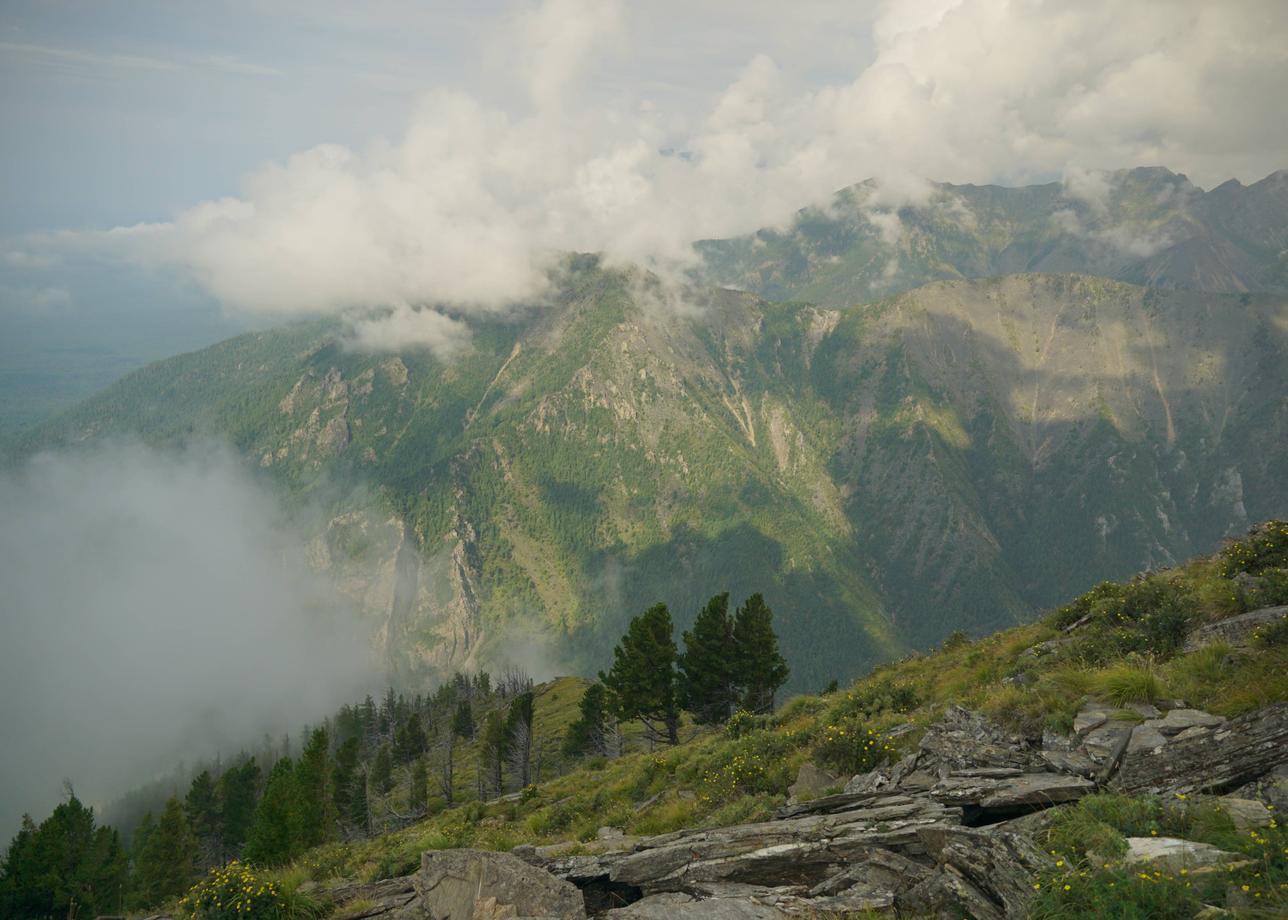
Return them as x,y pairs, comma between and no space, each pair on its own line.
157,608
470,204
407,327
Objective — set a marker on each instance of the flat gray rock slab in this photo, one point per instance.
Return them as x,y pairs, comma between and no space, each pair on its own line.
1239,631
464,884
1174,853
681,907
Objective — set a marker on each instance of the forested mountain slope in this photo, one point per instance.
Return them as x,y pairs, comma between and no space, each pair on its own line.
950,458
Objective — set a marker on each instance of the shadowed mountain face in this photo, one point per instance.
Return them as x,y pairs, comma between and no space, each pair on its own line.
1146,226
950,458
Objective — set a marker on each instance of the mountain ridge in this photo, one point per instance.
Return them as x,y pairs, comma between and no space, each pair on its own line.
886,473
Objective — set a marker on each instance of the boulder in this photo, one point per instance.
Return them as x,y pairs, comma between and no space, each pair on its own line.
988,799
1093,715
1247,814
477,884
1145,737
812,782
1104,742
1075,763
1178,720
1236,752
1238,631
986,875
802,850
1172,853
963,739
684,907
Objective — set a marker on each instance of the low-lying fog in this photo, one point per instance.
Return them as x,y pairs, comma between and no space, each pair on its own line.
154,607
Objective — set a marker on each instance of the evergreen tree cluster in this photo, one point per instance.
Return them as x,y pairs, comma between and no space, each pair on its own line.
266,807
728,663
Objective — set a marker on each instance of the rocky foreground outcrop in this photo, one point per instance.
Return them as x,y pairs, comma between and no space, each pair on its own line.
944,832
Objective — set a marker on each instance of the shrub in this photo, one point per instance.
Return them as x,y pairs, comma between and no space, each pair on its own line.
1265,548
743,723
751,765
850,747
238,891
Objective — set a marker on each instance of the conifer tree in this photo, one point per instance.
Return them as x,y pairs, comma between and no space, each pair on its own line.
272,839
493,749
67,866
165,861
346,767
382,771
238,795
359,808
642,679
463,721
418,795
201,805
409,740
589,734
707,682
761,670
315,804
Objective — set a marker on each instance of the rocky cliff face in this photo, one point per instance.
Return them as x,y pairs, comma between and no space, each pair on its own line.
1146,226
951,458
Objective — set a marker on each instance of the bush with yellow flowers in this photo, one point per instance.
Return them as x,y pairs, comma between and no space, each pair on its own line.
1264,549
239,891
848,747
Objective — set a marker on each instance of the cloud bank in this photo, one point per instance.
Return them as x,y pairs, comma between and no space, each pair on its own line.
470,204
156,610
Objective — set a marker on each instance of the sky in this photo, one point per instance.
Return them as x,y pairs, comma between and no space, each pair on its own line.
275,159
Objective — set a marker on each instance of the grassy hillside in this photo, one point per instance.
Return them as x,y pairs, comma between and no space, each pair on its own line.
1121,643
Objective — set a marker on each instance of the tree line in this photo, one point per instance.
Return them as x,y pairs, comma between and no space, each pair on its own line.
269,808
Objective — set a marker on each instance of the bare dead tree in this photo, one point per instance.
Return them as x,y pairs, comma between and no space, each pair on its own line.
518,752
447,767
514,680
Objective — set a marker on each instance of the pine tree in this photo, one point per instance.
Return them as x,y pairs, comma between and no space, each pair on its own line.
382,771
589,734
238,795
346,767
761,670
272,839
463,721
707,685
418,795
642,679
359,808
202,808
165,860
66,866
409,741
492,750
315,821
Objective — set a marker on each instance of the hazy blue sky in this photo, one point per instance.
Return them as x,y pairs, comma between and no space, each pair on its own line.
273,159
119,112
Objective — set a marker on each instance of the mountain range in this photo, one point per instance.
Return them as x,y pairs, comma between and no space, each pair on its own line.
895,423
